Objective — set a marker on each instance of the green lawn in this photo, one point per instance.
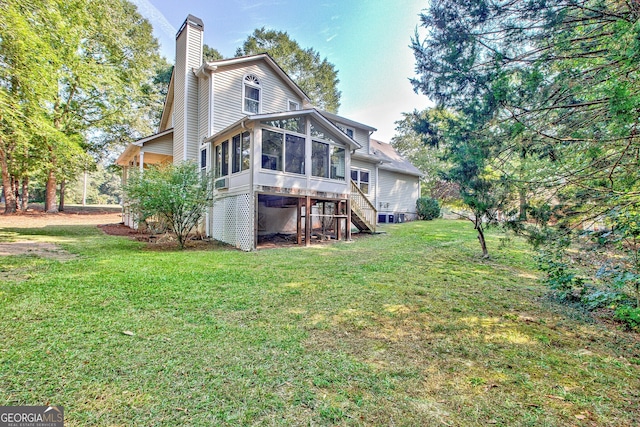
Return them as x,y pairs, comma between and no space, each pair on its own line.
407,328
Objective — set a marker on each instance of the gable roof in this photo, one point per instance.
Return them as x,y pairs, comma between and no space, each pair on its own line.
168,103
214,65
348,122
133,149
392,160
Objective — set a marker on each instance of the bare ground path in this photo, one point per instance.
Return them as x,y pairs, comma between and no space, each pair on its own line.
34,217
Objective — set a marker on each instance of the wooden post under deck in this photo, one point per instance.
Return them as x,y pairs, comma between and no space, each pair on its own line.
307,221
299,221
348,224
338,221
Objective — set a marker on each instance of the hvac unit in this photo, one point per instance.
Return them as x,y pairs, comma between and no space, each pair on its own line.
382,218
221,183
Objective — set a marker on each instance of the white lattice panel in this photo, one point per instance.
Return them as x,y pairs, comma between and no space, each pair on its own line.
233,221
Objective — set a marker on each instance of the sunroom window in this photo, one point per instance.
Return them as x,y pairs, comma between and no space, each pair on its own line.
327,161
240,152
294,154
271,150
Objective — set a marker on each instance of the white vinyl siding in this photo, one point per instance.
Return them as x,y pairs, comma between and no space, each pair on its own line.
398,192
178,106
203,108
188,57
228,81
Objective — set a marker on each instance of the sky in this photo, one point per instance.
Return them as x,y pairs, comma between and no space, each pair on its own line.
366,40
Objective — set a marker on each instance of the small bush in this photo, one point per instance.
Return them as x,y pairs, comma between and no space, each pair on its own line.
629,315
428,208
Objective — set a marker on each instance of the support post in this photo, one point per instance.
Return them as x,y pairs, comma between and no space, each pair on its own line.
307,221
299,221
347,226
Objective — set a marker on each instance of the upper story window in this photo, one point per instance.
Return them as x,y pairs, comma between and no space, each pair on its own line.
293,105
347,130
251,94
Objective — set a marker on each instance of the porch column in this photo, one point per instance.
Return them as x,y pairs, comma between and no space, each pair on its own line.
141,161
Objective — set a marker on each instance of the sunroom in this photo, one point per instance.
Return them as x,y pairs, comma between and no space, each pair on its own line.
284,173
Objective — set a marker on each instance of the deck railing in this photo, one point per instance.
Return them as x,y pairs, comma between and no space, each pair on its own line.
362,207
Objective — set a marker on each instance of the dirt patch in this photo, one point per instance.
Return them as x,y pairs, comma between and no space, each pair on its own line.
34,217
122,230
41,249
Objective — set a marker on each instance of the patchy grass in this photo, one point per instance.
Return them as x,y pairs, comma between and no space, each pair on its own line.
407,328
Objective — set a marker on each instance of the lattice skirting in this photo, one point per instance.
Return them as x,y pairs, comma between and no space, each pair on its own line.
233,221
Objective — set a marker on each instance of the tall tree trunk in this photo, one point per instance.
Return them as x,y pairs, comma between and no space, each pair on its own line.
523,205
84,189
15,188
483,243
25,193
480,230
63,184
50,193
50,189
10,203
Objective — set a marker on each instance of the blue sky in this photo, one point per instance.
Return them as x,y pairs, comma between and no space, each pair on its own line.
367,41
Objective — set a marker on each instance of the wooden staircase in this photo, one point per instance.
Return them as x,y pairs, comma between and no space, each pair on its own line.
363,214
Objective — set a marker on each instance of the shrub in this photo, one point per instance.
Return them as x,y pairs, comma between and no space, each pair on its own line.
629,315
176,195
427,208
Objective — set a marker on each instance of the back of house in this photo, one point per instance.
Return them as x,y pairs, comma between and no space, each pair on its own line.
281,166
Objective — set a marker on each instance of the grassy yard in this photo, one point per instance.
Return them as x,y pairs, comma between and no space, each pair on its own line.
406,328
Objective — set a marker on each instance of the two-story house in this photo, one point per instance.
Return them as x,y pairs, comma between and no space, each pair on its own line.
281,166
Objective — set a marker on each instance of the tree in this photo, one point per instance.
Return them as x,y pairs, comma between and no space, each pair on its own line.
560,76
556,85
426,155
317,77
210,54
79,74
467,148
178,195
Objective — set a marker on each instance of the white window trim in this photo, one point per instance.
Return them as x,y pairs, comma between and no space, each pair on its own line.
292,101
345,129
258,86
358,182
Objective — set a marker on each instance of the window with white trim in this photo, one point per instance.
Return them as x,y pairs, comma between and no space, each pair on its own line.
361,178
203,162
350,132
251,94
221,162
279,146
293,105
240,152
327,160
